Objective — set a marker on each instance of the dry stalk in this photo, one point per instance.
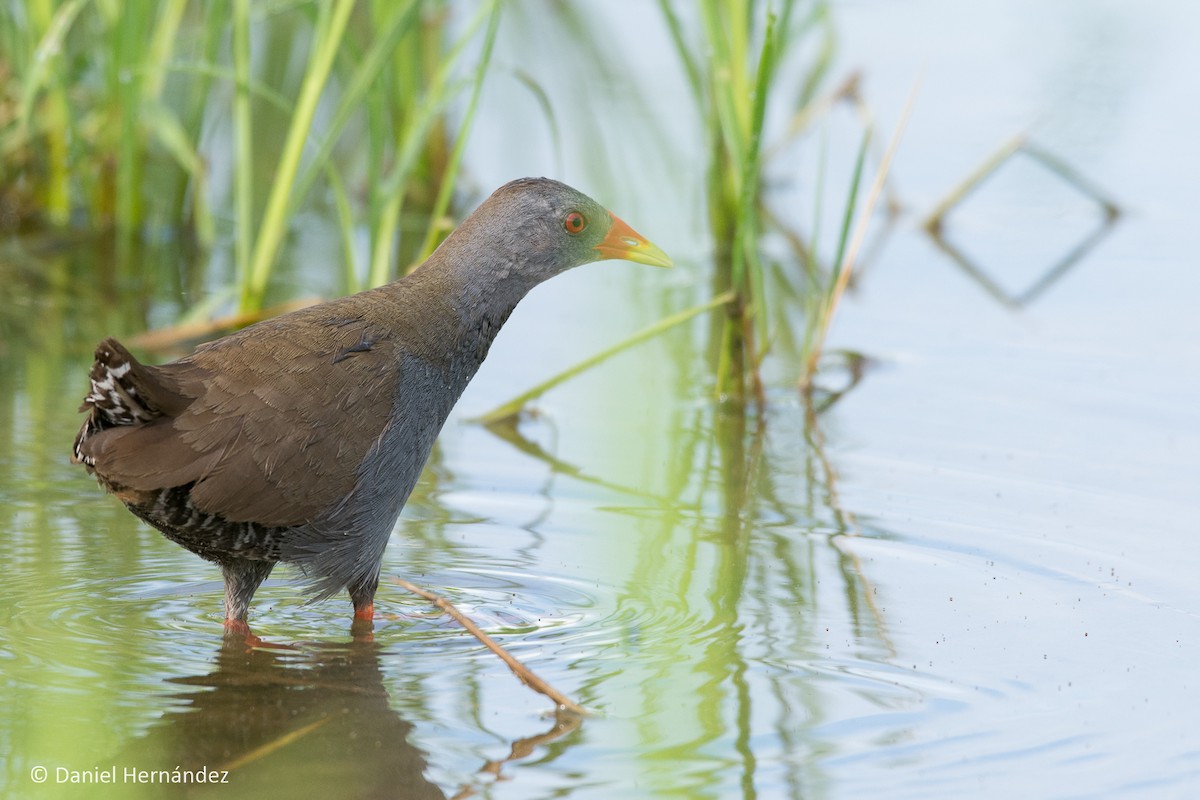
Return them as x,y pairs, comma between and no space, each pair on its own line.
523,673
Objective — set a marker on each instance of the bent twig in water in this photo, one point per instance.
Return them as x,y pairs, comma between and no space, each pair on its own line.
523,673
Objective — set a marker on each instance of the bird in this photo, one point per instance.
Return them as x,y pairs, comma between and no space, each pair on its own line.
298,439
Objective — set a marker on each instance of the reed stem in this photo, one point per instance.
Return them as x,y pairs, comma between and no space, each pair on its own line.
327,35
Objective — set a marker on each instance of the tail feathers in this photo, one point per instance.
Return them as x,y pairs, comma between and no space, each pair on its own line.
121,394
114,394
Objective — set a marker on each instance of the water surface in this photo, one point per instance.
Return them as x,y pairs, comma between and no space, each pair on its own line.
972,575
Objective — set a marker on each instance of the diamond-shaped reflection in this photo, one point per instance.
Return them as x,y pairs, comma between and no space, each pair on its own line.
1025,201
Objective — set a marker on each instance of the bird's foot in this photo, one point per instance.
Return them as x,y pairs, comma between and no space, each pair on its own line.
362,627
236,629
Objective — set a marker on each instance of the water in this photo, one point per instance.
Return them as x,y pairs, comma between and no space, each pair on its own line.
973,575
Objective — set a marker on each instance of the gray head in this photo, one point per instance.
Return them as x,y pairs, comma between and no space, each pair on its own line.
531,229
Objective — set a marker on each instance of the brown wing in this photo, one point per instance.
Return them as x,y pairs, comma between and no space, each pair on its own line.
274,422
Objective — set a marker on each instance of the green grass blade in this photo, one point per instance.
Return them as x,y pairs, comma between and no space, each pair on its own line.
126,81
514,405
818,70
257,89
849,252
390,189
724,94
543,101
442,203
327,35
851,205
243,144
813,265
50,45
746,239
382,239
817,309
690,64
169,132
403,19
162,41
345,227
197,90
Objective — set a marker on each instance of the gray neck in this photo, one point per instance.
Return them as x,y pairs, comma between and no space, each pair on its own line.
479,292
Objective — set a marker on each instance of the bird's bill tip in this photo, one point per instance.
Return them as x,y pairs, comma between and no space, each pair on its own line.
625,243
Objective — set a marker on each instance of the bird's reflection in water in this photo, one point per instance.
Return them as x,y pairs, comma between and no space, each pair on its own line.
308,721
312,720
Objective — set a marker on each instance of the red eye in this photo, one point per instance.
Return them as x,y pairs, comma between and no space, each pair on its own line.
574,223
